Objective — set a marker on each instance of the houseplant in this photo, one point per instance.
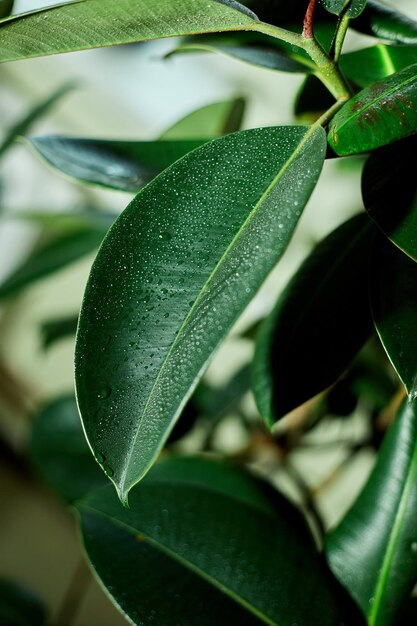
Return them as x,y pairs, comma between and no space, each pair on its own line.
211,219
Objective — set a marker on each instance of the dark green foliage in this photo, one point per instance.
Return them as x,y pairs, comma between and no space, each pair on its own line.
243,561
389,190
328,293
373,552
203,541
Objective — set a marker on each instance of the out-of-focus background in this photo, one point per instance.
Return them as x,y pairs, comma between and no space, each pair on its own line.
129,92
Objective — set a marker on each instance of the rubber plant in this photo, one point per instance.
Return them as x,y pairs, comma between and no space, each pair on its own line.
196,540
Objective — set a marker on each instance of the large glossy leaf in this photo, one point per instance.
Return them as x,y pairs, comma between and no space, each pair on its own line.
336,6
384,22
208,122
378,115
173,275
122,165
221,544
369,65
22,126
373,551
57,253
389,190
6,7
394,305
59,452
19,607
318,325
67,27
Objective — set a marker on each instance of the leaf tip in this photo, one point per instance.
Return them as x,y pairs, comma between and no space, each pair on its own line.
123,495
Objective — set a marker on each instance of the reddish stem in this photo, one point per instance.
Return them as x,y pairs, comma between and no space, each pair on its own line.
308,31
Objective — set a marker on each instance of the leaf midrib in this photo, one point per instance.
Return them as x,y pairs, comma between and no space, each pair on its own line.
385,94
200,296
392,543
184,562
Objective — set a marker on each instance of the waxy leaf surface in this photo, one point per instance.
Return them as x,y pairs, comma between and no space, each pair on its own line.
394,305
173,275
336,6
383,21
373,551
122,165
369,65
318,325
68,27
222,545
378,115
389,191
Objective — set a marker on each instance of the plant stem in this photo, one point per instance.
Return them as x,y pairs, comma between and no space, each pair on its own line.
339,37
324,119
326,69
308,30
280,33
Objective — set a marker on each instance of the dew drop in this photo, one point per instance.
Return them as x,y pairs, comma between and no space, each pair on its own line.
100,458
413,547
104,393
108,470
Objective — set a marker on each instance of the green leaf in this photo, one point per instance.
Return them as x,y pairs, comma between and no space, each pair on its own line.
394,304
336,6
19,607
51,257
172,276
378,115
385,22
67,27
211,121
57,329
6,7
373,551
318,325
369,65
59,452
270,57
122,165
221,544
389,191
22,126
